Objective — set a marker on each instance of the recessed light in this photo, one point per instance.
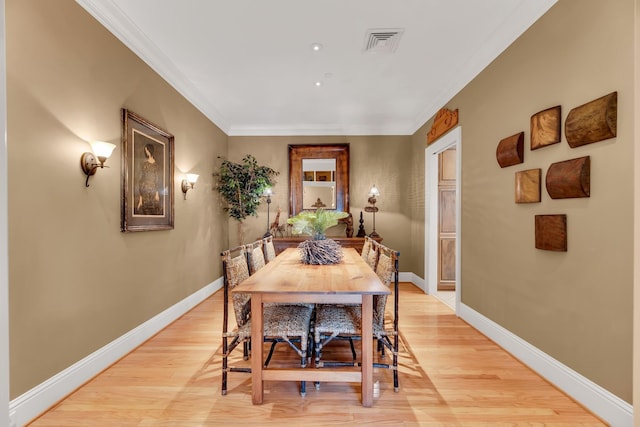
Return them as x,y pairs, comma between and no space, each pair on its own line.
316,47
318,83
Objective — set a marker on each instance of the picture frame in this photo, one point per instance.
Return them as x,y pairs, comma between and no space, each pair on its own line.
147,175
323,176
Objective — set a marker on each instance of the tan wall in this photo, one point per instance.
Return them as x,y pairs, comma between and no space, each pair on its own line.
379,160
636,220
577,305
77,282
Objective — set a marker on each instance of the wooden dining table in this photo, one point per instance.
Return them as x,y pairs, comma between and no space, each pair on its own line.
286,279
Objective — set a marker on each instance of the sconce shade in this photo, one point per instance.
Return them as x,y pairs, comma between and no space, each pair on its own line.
88,162
188,183
102,149
192,178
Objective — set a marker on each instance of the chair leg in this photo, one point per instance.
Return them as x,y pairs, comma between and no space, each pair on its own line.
224,364
273,346
353,350
245,351
396,385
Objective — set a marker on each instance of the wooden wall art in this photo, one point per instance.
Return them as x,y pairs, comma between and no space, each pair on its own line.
569,179
551,232
510,150
528,186
545,128
593,121
445,120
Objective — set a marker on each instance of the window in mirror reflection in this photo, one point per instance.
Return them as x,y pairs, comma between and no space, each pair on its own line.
319,185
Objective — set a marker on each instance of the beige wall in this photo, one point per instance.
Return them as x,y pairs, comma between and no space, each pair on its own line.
76,282
379,160
577,305
636,220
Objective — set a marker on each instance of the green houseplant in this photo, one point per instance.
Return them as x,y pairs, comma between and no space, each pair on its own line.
241,185
318,250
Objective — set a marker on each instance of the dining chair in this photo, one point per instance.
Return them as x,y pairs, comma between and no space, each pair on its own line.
235,269
283,323
344,321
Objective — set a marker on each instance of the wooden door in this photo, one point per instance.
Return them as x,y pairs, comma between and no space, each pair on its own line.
447,220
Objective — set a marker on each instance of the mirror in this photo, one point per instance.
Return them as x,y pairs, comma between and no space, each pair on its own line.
318,175
318,183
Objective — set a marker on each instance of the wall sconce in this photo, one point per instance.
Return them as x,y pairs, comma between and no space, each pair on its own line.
373,193
188,183
101,150
267,194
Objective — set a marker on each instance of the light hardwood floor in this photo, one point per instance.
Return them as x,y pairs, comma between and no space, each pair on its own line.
450,375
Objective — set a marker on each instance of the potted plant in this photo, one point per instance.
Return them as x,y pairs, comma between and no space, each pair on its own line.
319,249
241,185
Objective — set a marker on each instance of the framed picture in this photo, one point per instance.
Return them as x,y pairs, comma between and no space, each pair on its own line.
147,175
323,176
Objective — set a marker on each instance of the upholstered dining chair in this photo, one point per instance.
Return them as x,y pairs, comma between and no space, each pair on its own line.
235,269
344,321
283,323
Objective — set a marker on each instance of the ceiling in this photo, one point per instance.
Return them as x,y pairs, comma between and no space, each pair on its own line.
249,66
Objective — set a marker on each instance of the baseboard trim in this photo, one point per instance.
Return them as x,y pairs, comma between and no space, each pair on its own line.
34,402
601,402
412,278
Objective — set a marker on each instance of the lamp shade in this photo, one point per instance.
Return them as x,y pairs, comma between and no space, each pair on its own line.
374,191
102,149
267,192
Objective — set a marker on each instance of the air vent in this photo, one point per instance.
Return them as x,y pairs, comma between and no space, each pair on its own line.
382,40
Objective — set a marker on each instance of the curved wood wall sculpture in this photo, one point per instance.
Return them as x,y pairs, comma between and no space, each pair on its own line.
545,127
569,179
510,150
592,122
551,232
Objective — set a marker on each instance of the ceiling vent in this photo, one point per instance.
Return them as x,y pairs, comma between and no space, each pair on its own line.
382,40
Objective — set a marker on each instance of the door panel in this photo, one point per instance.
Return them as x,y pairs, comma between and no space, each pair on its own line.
447,220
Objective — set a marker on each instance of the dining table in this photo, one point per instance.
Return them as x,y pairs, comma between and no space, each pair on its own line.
286,279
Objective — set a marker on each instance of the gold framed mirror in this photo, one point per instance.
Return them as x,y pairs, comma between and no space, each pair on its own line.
318,177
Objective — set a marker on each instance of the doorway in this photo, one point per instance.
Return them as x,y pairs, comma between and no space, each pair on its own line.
442,218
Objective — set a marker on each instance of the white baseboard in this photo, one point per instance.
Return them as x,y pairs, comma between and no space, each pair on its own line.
604,404
412,278
34,402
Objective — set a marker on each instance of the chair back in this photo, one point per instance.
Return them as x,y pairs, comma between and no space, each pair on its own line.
366,247
255,256
269,249
372,255
236,269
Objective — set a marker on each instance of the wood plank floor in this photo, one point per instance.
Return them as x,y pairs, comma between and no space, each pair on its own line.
450,375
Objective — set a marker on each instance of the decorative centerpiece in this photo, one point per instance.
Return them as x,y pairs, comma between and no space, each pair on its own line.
318,250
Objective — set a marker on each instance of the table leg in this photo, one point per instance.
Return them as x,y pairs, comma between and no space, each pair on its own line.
367,350
257,334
